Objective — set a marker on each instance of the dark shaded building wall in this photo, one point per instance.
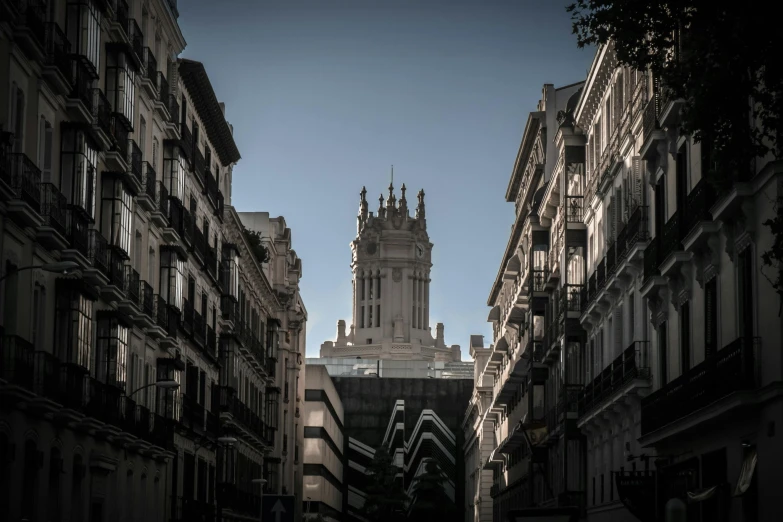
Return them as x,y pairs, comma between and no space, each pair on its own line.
368,404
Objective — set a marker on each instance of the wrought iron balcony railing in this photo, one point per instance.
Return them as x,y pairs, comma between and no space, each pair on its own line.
53,207
162,199
186,141
198,163
600,273
136,38
120,135
26,180
173,107
163,88
135,163
537,279
34,19
58,50
150,67
697,209
650,118
734,368
575,209
611,259
672,236
652,258
82,78
150,180
101,112
572,297
132,284
146,299
199,328
633,363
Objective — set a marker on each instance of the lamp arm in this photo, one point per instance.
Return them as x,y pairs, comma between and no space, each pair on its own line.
131,394
17,270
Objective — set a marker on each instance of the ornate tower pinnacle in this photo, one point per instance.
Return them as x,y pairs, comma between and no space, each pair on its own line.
420,207
362,219
403,202
381,210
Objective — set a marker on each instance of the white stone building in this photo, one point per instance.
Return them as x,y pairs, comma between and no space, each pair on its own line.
391,263
118,379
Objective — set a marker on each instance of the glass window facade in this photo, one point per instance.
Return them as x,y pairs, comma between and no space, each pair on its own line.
83,28
174,173
111,357
78,157
172,278
120,85
116,212
73,325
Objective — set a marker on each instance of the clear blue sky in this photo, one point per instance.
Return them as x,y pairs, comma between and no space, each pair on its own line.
325,95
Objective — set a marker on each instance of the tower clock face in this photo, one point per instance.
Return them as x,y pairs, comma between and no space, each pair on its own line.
371,248
419,251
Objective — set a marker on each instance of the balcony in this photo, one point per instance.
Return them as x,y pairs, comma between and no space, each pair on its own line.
187,317
102,122
146,198
719,378
210,187
237,415
229,312
631,242
600,276
51,233
173,231
30,32
131,286
210,263
611,259
199,166
135,168
211,347
575,209
199,329
57,63
25,206
80,100
537,279
160,212
149,80
188,225
162,96
628,372
114,290
651,130
167,320
571,298
117,155
146,305
192,414
186,142
172,105
67,393
672,253
699,228
199,244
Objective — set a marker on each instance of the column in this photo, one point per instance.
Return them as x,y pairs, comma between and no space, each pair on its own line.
414,303
427,302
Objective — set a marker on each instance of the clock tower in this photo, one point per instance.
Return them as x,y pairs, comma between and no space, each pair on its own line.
391,259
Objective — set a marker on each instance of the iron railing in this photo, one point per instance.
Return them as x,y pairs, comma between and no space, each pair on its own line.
652,258
163,88
571,296
733,368
172,106
672,235
150,180
136,38
650,118
26,180
82,78
34,12
538,278
150,67
575,209
132,284
146,299
697,209
135,163
633,363
101,112
53,207
58,50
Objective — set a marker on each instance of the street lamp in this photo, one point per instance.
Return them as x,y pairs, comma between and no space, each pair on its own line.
62,267
165,384
261,482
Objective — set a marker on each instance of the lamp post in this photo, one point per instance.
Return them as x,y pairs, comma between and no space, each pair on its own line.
63,267
165,384
261,482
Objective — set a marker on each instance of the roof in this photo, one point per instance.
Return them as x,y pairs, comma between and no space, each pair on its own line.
195,78
528,138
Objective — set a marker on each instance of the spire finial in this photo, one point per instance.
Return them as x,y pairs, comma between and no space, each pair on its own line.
363,193
392,174
403,189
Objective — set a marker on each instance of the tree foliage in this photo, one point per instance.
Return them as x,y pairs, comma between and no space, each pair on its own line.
430,501
256,245
723,60
386,501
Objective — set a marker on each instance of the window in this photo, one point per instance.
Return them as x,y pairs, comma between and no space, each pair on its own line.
120,86
662,359
78,157
83,29
711,317
38,316
172,278
361,321
745,292
142,135
174,173
369,317
155,150
151,267
45,150
53,496
685,336
16,118
272,399
116,212
377,315
73,324
169,399
111,357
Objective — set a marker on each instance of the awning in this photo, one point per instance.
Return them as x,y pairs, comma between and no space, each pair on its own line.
746,473
702,494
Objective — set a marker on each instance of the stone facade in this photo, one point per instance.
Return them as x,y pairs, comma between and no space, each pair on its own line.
632,323
150,382
391,260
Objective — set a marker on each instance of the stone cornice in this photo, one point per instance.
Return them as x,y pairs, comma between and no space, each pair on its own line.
255,275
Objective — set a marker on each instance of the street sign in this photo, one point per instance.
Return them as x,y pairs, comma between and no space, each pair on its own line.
277,508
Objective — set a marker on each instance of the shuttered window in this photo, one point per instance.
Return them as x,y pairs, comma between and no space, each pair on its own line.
711,317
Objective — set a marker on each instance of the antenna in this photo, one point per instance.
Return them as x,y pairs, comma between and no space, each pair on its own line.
392,174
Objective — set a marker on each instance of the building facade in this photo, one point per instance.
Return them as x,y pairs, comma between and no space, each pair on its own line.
324,446
391,260
154,365
631,317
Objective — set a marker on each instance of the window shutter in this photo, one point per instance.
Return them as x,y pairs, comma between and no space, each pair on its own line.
636,176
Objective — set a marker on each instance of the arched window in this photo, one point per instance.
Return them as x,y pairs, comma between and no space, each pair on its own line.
33,461
53,495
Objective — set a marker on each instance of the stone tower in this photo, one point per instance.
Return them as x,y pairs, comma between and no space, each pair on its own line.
391,259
